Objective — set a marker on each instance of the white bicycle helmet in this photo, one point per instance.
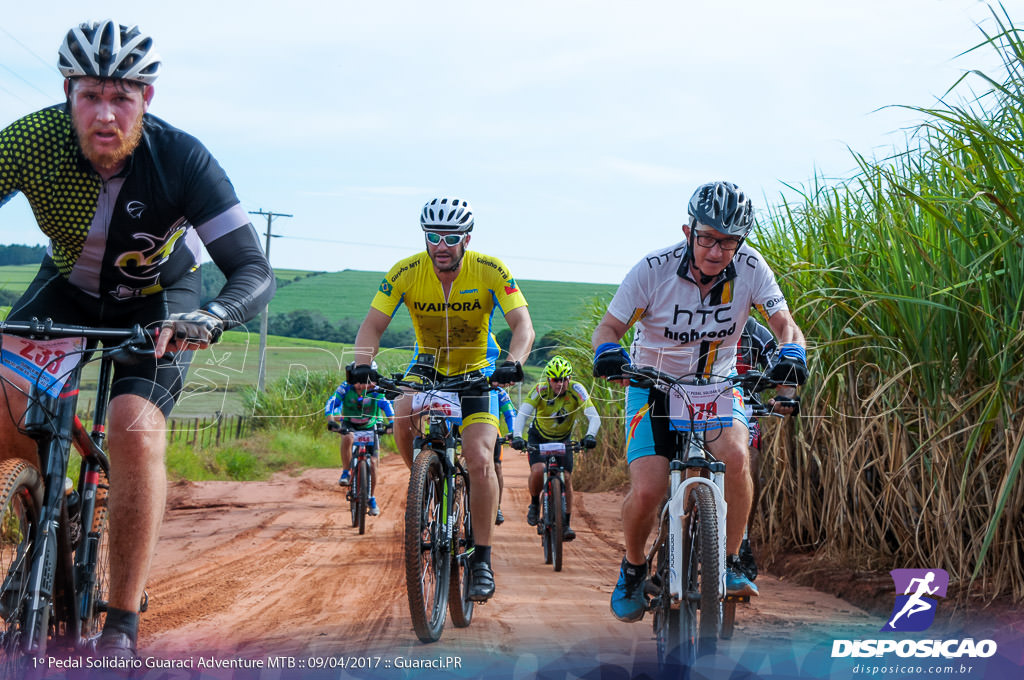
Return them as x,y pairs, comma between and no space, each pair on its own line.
447,214
724,207
108,50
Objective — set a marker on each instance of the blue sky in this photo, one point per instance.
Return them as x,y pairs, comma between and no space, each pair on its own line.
578,130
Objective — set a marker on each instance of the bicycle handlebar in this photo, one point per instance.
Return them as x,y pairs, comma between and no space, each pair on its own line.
134,342
462,383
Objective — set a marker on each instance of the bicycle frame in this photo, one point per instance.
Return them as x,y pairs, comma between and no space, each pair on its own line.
51,420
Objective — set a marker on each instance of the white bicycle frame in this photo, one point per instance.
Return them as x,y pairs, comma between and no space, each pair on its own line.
676,508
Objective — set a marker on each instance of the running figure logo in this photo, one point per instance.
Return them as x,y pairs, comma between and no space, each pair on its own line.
915,608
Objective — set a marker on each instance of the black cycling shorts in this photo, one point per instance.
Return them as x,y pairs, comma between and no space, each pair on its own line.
158,380
534,438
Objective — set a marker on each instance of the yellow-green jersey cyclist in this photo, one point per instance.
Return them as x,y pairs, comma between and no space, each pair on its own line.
554,404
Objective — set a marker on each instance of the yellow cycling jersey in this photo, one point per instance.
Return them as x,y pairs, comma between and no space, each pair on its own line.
555,415
456,329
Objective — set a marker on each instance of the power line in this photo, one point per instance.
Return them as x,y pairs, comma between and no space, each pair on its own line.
29,50
504,255
264,320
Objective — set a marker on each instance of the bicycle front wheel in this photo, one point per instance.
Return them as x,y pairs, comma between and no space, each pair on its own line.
459,604
21,499
701,607
557,525
427,555
95,561
362,485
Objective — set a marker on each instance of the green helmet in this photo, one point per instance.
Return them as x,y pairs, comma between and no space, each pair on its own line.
558,367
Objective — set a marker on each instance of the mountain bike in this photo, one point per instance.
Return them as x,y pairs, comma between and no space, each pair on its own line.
552,497
438,524
53,544
687,558
365,443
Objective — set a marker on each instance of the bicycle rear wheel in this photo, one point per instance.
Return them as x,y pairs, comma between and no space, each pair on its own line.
362,484
21,498
459,605
95,559
427,557
701,607
555,500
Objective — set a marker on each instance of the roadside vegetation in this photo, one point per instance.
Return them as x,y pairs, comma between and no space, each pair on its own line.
908,280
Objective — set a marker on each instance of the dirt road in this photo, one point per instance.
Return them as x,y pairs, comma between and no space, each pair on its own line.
250,570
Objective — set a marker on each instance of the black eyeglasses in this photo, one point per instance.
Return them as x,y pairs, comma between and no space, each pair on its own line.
434,238
726,244
558,379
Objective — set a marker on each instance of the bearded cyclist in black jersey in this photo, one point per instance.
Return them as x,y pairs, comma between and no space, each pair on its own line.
128,203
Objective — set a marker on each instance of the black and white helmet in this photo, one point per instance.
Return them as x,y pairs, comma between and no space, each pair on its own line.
724,207
108,50
447,214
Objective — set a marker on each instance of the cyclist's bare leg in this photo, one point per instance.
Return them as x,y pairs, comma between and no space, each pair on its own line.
138,493
406,427
730,447
568,492
536,479
501,482
648,484
12,407
346,451
373,474
478,450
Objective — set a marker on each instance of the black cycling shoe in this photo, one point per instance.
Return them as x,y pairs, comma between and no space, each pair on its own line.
482,588
499,519
568,534
746,562
533,514
115,644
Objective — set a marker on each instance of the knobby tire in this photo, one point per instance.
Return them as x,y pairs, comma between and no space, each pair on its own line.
427,562
556,499
363,494
459,605
21,498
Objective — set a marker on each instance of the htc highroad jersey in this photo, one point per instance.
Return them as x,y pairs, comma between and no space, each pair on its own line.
679,332
142,230
457,329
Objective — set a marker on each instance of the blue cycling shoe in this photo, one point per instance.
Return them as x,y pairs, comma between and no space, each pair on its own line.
628,603
736,582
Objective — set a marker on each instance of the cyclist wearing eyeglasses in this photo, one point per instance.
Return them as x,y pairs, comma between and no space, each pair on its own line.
554,404
128,203
689,303
451,294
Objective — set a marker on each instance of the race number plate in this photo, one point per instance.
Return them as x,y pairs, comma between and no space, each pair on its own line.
362,436
447,403
552,448
46,363
696,408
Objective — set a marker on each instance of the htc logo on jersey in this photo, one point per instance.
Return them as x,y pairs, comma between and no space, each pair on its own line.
720,315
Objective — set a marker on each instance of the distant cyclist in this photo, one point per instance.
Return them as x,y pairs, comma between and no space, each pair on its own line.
357,406
451,294
689,303
507,411
554,405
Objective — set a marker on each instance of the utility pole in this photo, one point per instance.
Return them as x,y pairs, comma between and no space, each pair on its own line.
265,317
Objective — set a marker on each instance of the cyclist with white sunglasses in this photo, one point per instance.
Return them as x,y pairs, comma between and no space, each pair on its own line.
451,294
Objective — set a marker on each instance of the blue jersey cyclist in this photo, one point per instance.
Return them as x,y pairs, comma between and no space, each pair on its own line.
128,203
507,412
358,406
689,303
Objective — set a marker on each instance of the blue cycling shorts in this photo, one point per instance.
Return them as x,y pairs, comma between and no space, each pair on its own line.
647,429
